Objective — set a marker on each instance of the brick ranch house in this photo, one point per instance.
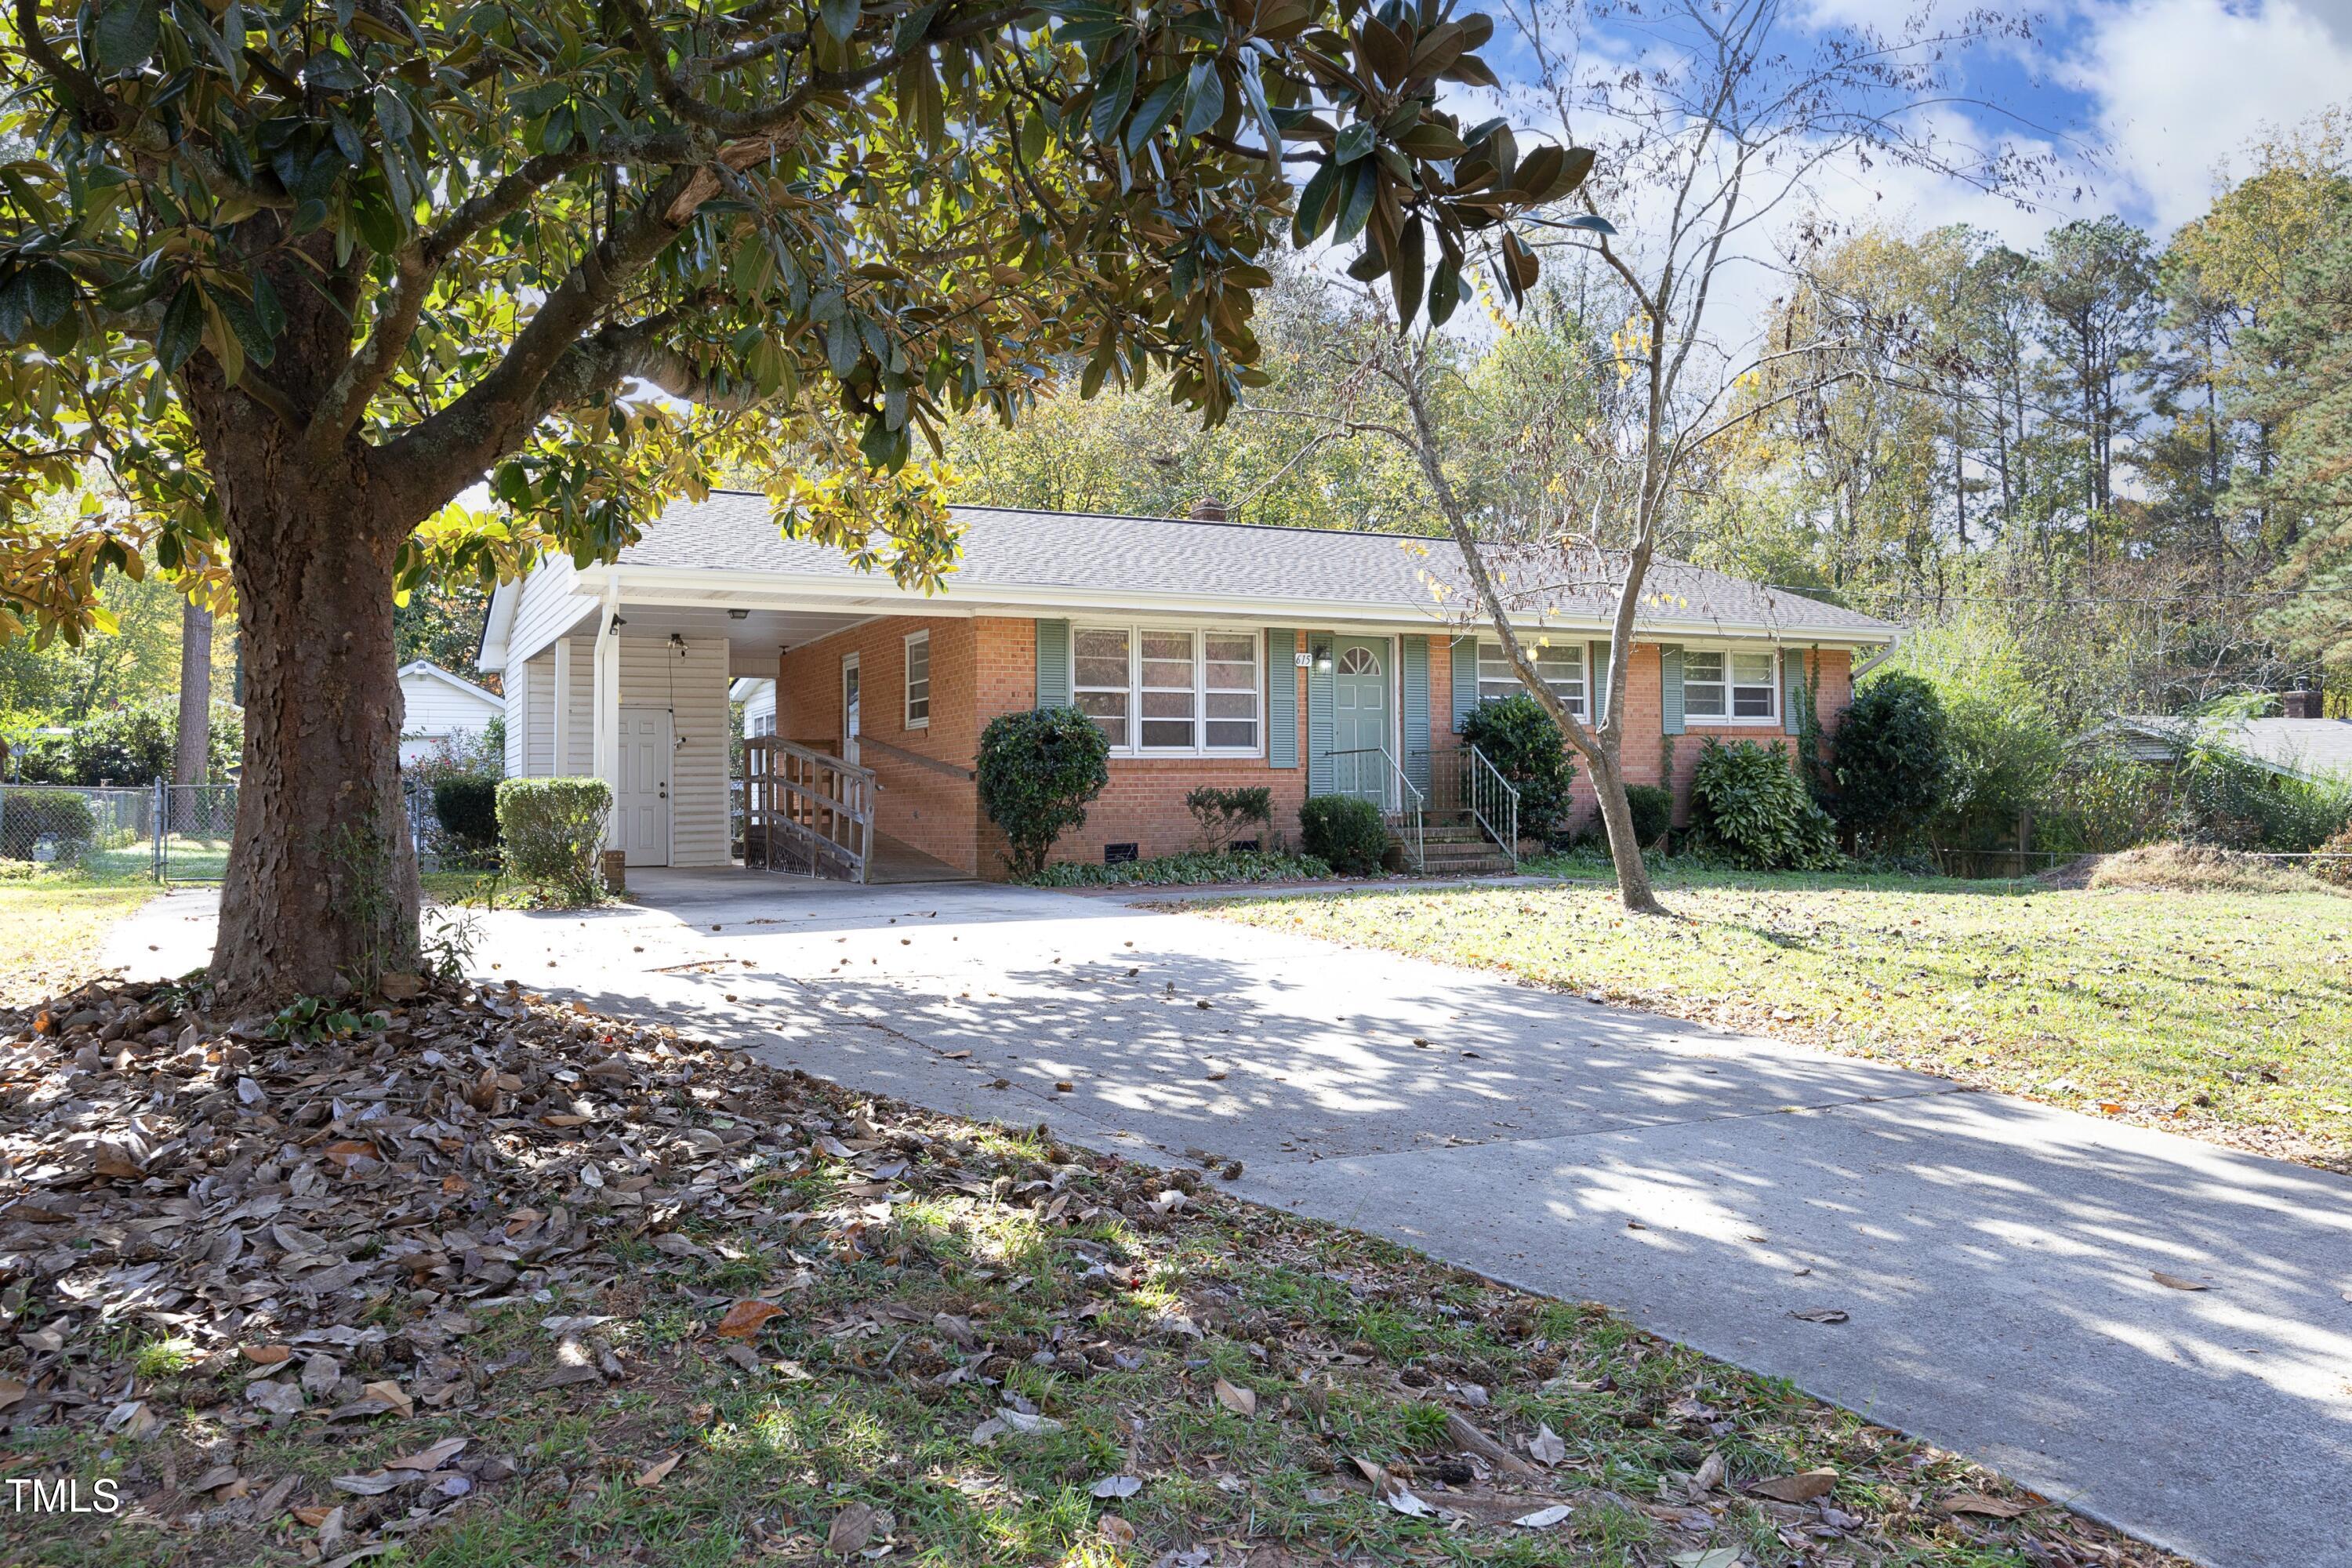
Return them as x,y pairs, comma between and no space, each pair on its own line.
1211,652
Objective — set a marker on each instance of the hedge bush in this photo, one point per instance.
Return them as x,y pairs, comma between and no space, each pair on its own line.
2222,798
1038,772
60,815
1518,737
552,828
1894,760
1344,831
1652,806
1224,813
1745,800
466,807
1191,867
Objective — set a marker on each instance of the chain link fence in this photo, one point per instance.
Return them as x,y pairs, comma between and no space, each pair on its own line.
158,832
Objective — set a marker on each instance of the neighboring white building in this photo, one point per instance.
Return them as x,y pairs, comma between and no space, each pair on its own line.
438,705
758,700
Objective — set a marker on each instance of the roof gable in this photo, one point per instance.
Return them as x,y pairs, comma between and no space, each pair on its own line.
426,667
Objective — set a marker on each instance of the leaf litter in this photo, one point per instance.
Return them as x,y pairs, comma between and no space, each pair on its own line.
305,1289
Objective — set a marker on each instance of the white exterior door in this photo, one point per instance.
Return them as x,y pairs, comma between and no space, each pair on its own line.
641,806
849,708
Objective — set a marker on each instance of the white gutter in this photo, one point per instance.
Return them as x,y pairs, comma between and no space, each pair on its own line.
692,587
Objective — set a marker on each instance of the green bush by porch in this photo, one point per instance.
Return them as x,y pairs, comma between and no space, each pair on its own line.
553,828
1038,772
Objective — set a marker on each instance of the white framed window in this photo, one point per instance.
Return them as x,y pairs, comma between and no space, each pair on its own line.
1561,664
1171,690
1228,664
1730,686
919,680
1102,679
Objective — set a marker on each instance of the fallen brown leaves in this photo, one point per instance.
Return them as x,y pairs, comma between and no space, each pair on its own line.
383,1253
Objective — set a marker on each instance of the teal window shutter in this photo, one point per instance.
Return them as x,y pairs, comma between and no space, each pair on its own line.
1465,680
1597,662
1412,696
1281,697
1318,713
1052,664
1670,688
1793,688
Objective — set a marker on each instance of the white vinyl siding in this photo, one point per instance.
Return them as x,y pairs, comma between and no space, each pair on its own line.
547,609
1561,664
1172,691
694,689
919,681
1730,686
430,707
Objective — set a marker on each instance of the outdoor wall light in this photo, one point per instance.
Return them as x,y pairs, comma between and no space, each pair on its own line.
1323,659
617,622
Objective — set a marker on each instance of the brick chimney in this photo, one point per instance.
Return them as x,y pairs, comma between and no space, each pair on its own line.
2302,703
1208,509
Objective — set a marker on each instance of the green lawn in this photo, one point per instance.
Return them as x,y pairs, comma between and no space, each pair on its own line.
2225,1016
50,932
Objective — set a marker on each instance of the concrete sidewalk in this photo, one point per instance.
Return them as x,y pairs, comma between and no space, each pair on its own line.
1996,1257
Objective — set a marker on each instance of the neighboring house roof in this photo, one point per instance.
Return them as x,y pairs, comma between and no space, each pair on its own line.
1039,559
427,669
2305,748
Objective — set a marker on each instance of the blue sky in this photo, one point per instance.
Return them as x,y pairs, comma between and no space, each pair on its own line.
2145,108
2151,103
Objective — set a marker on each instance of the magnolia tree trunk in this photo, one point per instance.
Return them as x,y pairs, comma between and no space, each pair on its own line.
321,894
321,890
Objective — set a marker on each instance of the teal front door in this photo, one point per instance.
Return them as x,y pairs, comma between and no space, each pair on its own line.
1360,718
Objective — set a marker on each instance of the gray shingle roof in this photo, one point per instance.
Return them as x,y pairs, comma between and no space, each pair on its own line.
2308,748
1093,555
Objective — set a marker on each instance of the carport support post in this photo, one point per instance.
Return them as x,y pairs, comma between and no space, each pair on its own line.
607,730
563,705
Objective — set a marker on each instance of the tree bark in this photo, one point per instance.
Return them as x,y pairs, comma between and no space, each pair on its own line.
321,894
192,742
1634,887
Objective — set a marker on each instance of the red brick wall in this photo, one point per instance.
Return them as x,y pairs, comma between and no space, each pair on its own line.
1143,805
929,810
984,666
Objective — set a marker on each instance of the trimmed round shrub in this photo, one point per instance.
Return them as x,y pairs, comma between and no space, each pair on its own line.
1518,737
1038,772
552,828
468,810
1652,806
59,818
1345,830
1893,759
1747,800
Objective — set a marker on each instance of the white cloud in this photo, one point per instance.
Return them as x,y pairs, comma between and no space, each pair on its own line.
2182,85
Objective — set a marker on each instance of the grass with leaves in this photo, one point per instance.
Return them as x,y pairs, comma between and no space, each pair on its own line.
672,1306
2226,1016
53,928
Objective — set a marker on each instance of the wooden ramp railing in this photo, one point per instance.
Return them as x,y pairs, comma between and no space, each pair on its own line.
804,810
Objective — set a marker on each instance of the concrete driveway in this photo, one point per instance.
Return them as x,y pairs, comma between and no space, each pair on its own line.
1996,1258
